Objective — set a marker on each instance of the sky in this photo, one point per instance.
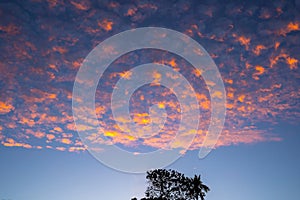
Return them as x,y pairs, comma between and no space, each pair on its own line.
45,44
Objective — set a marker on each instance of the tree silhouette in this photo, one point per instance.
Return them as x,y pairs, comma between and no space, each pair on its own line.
164,184
197,188
172,185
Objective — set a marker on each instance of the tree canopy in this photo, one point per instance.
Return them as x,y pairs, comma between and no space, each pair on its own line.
172,185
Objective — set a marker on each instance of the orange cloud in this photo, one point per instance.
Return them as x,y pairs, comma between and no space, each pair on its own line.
277,44
157,78
5,107
241,98
259,71
50,136
292,26
257,50
60,148
126,75
76,149
37,134
82,5
60,49
205,105
111,134
9,142
10,29
58,129
131,11
141,118
66,141
39,96
244,41
54,67
27,121
106,24
217,94
292,62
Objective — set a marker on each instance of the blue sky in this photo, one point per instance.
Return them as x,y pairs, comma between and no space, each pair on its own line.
261,171
44,44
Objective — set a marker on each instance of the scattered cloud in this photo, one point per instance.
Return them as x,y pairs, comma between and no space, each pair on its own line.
256,48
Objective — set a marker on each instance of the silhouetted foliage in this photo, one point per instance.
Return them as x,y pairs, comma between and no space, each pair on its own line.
164,184
196,188
172,185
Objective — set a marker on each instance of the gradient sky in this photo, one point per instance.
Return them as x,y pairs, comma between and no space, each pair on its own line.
255,46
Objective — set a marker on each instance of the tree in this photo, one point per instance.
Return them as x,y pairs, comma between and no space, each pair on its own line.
197,188
172,185
164,184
